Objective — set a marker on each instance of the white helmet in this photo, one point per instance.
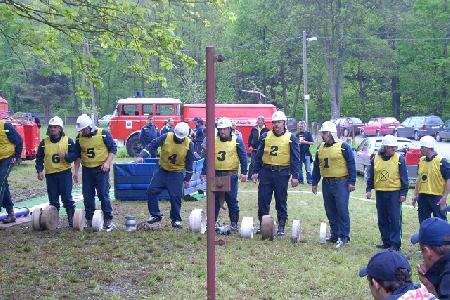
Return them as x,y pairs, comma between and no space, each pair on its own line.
181,130
223,122
83,121
56,121
328,126
279,116
389,140
428,142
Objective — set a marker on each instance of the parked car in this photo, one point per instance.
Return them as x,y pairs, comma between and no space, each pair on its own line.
347,126
444,132
370,146
417,127
380,126
104,121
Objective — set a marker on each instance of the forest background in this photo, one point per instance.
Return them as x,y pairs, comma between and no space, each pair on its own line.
371,58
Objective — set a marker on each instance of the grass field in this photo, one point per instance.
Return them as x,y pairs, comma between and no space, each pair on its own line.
168,264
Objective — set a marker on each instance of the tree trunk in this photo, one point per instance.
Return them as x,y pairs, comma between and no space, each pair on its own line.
395,88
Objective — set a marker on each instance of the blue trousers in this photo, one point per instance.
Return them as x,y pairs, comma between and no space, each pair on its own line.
427,206
230,197
306,160
389,211
273,182
94,179
252,162
335,198
173,182
5,195
60,184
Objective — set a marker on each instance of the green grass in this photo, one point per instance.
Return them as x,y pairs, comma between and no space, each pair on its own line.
172,265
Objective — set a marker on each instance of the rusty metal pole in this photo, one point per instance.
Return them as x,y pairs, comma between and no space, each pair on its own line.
210,173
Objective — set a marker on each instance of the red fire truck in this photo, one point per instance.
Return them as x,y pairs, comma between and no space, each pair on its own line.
27,128
131,115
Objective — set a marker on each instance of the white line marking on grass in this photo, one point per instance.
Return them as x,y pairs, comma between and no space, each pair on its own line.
309,192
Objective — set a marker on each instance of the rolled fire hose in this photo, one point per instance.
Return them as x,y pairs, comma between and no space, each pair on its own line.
36,219
197,221
296,233
49,218
323,232
267,228
78,219
97,220
247,227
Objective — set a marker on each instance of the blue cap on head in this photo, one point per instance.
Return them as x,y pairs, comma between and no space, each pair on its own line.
433,232
384,265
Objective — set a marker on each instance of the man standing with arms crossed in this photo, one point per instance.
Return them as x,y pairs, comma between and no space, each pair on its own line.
433,182
253,141
95,150
277,159
305,140
335,163
148,133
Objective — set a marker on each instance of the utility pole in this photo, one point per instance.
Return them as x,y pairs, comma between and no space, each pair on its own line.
86,52
305,79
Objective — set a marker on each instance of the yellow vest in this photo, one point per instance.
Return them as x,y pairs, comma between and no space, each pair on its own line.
52,162
7,148
173,155
93,150
387,173
226,155
429,176
277,149
331,161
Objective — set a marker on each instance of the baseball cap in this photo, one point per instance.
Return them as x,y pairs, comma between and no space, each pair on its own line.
384,265
433,232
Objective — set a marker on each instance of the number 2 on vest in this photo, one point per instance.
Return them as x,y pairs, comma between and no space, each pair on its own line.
273,151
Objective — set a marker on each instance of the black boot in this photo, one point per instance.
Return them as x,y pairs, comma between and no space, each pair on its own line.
70,212
11,218
281,224
234,219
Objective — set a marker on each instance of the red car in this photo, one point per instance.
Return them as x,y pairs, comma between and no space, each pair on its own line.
380,126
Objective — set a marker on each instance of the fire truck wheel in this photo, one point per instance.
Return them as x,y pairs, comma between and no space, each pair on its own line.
134,146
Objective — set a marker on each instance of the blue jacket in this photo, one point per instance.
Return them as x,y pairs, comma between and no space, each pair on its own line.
15,138
253,138
199,136
347,152
403,175
148,133
304,148
40,155
294,154
439,276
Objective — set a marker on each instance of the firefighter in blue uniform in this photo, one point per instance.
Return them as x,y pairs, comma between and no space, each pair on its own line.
95,150
199,135
389,177
277,159
174,172
55,154
433,182
148,133
229,154
11,145
253,141
335,163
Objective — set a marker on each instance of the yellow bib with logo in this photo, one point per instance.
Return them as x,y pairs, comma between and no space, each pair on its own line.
430,178
331,161
226,155
52,162
93,150
7,148
173,155
387,173
277,150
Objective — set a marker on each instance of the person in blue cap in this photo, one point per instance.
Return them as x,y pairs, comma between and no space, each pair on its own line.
389,276
434,241
148,133
199,136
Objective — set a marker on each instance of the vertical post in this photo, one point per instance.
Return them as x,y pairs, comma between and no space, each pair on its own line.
210,173
305,78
